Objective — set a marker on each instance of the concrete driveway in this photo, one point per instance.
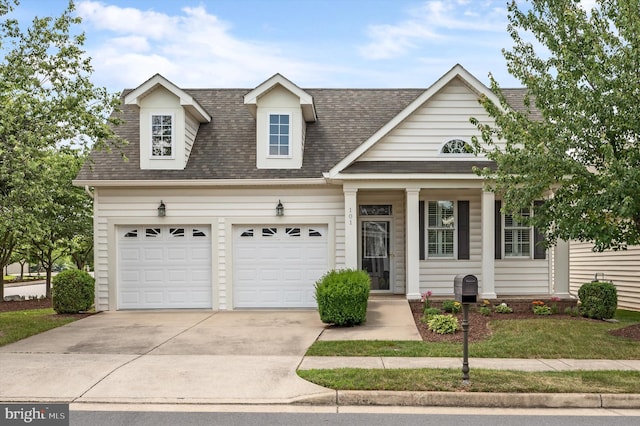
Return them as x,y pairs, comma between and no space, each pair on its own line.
166,357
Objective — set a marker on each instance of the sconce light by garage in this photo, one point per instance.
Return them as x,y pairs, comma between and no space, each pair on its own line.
162,209
279,209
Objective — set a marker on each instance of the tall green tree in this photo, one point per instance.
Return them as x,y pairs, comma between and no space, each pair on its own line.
582,71
64,210
47,101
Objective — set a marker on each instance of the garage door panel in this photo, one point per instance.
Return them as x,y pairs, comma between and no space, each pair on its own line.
177,254
155,254
161,269
280,270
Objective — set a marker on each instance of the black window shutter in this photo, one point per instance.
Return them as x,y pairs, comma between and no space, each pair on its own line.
498,230
421,227
463,230
539,250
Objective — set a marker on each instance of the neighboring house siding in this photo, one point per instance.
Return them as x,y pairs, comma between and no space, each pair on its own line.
436,275
443,117
622,267
216,208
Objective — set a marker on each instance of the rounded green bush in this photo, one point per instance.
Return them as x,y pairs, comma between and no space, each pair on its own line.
598,299
443,324
72,291
342,297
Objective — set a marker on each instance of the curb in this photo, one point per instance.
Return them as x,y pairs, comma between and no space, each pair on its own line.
475,399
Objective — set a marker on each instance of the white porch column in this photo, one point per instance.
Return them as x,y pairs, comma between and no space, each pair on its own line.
561,269
413,244
488,288
350,228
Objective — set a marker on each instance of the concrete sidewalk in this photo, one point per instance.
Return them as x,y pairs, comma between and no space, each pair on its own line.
319,362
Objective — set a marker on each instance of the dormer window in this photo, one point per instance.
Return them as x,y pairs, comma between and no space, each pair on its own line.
279,135
162,136
456,146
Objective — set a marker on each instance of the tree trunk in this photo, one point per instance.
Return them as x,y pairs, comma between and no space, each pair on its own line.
2,284
49,269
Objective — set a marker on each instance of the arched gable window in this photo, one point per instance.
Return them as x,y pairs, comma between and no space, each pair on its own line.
456,146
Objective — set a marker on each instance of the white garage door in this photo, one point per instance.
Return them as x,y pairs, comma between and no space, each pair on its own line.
162,267
277,266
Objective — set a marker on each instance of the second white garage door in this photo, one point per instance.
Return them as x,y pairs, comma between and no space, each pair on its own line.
277,266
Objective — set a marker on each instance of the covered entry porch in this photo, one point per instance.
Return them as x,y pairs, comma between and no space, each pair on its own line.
417,235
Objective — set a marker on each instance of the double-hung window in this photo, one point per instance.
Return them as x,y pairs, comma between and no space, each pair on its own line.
440,229
279,135
162,136
517,235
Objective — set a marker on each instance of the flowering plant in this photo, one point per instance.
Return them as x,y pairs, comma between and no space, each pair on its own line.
425,299
503,309
537,303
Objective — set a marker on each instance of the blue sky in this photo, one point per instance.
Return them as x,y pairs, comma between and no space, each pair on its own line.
314,43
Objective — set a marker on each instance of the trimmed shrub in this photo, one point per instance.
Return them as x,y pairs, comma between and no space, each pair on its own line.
72,291
598,299
443,324
342,297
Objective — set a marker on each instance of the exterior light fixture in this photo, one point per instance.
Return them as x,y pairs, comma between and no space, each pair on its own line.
279,209
162,209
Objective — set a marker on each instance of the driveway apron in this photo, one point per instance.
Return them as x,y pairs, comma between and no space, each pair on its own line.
166,357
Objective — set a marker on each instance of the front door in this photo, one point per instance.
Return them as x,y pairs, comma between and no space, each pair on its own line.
375,252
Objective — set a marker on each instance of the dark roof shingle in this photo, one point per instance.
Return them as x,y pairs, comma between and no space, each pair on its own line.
225,147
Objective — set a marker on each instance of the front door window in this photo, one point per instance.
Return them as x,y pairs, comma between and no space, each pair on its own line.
375,252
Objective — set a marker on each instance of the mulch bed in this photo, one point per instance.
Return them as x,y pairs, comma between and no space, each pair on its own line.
22,305
479,325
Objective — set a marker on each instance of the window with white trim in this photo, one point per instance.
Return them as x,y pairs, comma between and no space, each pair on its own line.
456,146
162,136
279,135
517,235
440,228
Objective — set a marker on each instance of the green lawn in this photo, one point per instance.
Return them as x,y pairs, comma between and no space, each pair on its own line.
18,325
534,338
450,380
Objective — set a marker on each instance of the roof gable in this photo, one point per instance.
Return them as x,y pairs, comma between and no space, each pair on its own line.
306,100
457,72
186,100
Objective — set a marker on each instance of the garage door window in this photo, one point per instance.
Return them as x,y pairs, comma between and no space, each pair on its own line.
152,232
269,232
131,234
314,233
293,232
247,233
176,232
197,233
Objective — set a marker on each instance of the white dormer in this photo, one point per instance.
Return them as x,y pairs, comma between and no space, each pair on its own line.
169,122
282,111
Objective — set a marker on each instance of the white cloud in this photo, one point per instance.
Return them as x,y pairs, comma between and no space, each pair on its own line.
434,22
192,49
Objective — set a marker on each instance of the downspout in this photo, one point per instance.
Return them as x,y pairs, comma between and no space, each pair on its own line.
88,191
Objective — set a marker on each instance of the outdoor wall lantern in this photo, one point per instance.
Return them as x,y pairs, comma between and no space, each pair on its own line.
162,209
279,209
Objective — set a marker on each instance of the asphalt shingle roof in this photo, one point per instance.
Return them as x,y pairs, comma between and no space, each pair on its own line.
225,147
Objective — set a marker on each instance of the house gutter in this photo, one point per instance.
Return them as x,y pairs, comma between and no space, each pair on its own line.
199,183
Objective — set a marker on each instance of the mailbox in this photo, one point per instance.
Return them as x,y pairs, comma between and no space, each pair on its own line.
465,288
